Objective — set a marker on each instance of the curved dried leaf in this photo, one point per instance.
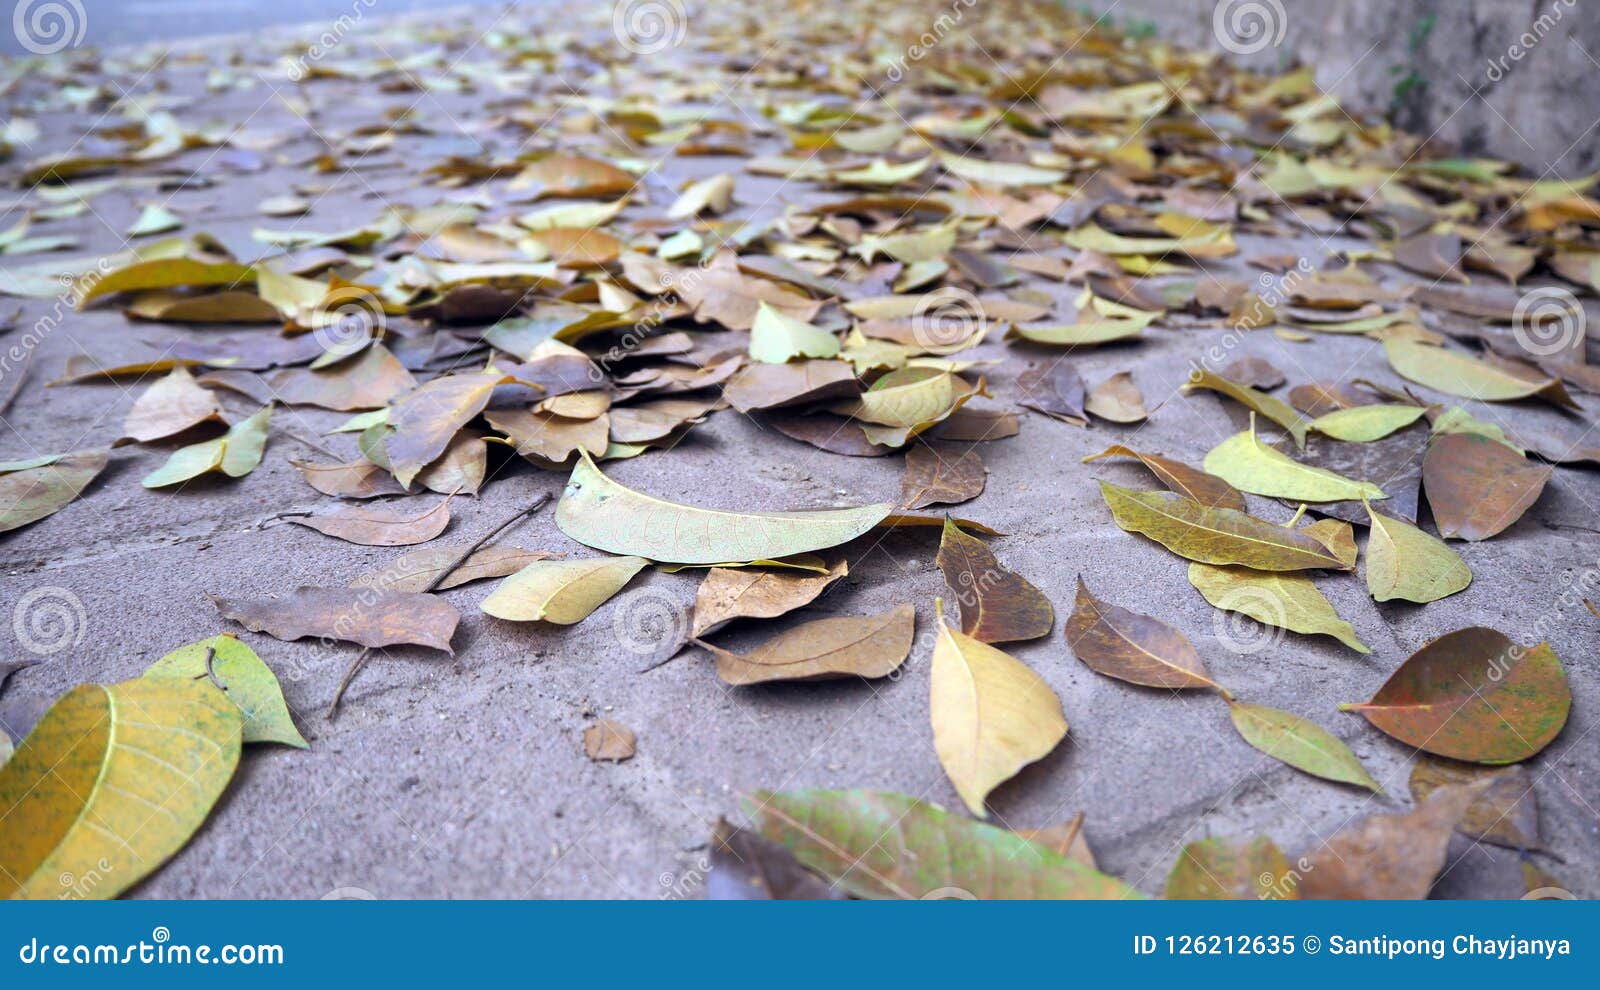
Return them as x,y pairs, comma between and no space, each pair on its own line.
599,513
561,591
171,405
354,615
1364,424
1404,562
728,593
1132,647
996,605
851,646
935,478
379,527
1477,487
1192,483
1214,535
235,453
31,490
1285,601
1275,409
1219,869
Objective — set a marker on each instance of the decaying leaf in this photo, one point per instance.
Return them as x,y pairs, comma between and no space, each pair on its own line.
1506,811
1277,410
1458,374
372,527
608,740
414,571
1477,487
996,605
1249,465
746,866
937,477
235,454
866,646
1474,695
991,714
366,616
1387,857
171,405
33,489
728,593
891,846
1132,647
1117,399
1207,489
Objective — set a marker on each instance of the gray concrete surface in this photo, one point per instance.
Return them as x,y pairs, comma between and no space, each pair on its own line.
465,776
1515,79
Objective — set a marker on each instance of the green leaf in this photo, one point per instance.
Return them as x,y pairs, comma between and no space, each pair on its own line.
1275,409
1301,744
1249,465
112,781
33,489
1285,601
235,453
882,845
1404,562
599,513
245,679
561,591
1459,374
1364,424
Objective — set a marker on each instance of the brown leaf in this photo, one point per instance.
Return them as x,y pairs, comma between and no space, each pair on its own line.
1117,399
997,606
355,615
728,593
372,527
770,386
1190,482
1132,647
1254,372
864,646
1055,390
171,405
1387,857
1066,839
609,740
1477,486
1506,813
414,571
358,479
747,866
969,425
935,478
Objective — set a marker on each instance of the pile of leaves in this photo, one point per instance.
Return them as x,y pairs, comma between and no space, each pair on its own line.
868,249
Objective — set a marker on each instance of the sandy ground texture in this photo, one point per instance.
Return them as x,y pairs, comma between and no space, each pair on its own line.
465,776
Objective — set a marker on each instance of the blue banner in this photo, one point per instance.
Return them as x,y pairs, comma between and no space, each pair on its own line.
170,944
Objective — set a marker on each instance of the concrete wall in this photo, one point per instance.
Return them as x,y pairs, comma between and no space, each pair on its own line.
1515,79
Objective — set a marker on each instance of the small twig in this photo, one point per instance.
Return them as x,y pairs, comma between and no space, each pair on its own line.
282,515
211,671
438,579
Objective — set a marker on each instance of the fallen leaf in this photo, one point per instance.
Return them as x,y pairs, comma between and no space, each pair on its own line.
171,405
996,605
991,715
1474,695
1220,869
235,454
244,679
1506,811
1283,600
1458,374
746,866
1192,483
1214,535
866,646
1249,465
561,591
365,616
1387,857
1117,399
935,478
728,593
1133,647
597,512
425,420
1364,424
1253,372
1277,410
1301,744
891,846
80,789
776,338
358,479
372,527
416,570
1404,562
1477,487
609,740
1055,390
33,489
